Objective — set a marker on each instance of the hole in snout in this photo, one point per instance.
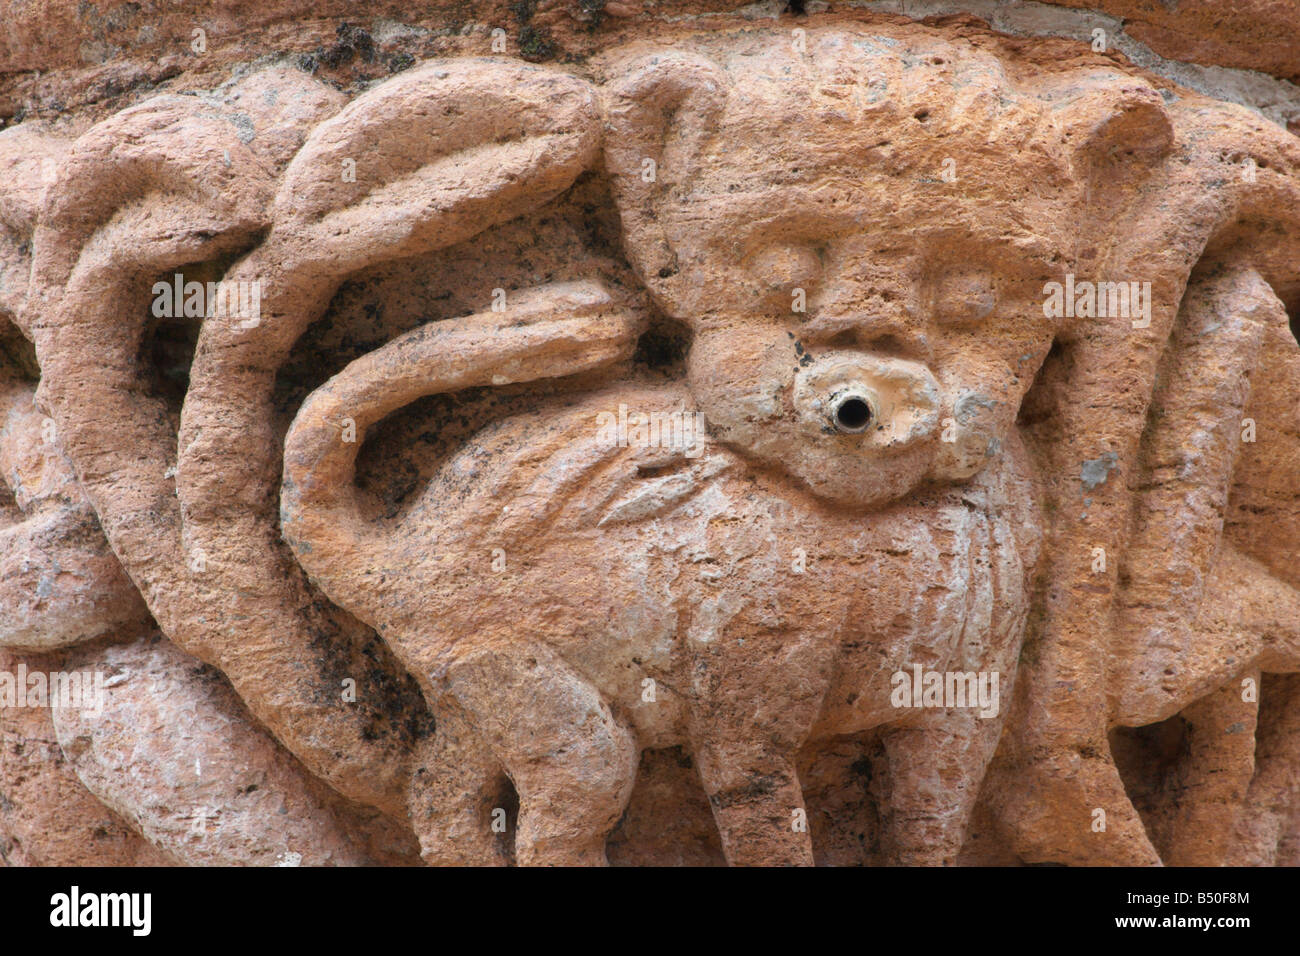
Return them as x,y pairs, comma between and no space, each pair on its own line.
852,414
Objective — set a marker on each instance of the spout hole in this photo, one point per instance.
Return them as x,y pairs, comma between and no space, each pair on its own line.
853,414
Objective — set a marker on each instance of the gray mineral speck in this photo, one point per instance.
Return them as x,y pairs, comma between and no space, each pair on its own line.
1095,470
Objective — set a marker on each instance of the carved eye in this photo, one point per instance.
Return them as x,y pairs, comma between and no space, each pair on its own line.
965,296
782,270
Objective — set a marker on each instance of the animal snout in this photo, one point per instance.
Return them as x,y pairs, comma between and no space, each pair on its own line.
889,402
852,411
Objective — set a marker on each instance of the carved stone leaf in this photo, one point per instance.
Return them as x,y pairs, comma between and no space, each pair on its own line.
440,153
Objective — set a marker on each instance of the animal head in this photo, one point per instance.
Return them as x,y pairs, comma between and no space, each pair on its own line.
833,222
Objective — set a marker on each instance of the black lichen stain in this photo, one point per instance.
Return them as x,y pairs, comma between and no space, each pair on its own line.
535,43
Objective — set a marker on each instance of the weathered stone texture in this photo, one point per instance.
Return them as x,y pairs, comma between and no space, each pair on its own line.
563,433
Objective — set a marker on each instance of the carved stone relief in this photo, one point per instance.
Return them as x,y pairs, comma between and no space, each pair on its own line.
841,441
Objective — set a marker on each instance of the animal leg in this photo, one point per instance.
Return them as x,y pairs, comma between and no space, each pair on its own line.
746,727
936,767
757,803
453,793
572,761
1215,777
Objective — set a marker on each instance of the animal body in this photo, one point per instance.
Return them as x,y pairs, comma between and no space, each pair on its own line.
860,365
860,382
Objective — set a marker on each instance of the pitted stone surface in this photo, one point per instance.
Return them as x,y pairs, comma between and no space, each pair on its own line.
673,435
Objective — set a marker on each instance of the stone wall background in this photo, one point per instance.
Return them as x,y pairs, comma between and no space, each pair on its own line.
58,57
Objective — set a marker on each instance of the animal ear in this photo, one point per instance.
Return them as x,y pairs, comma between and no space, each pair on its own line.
1111,118
658,117
433,157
